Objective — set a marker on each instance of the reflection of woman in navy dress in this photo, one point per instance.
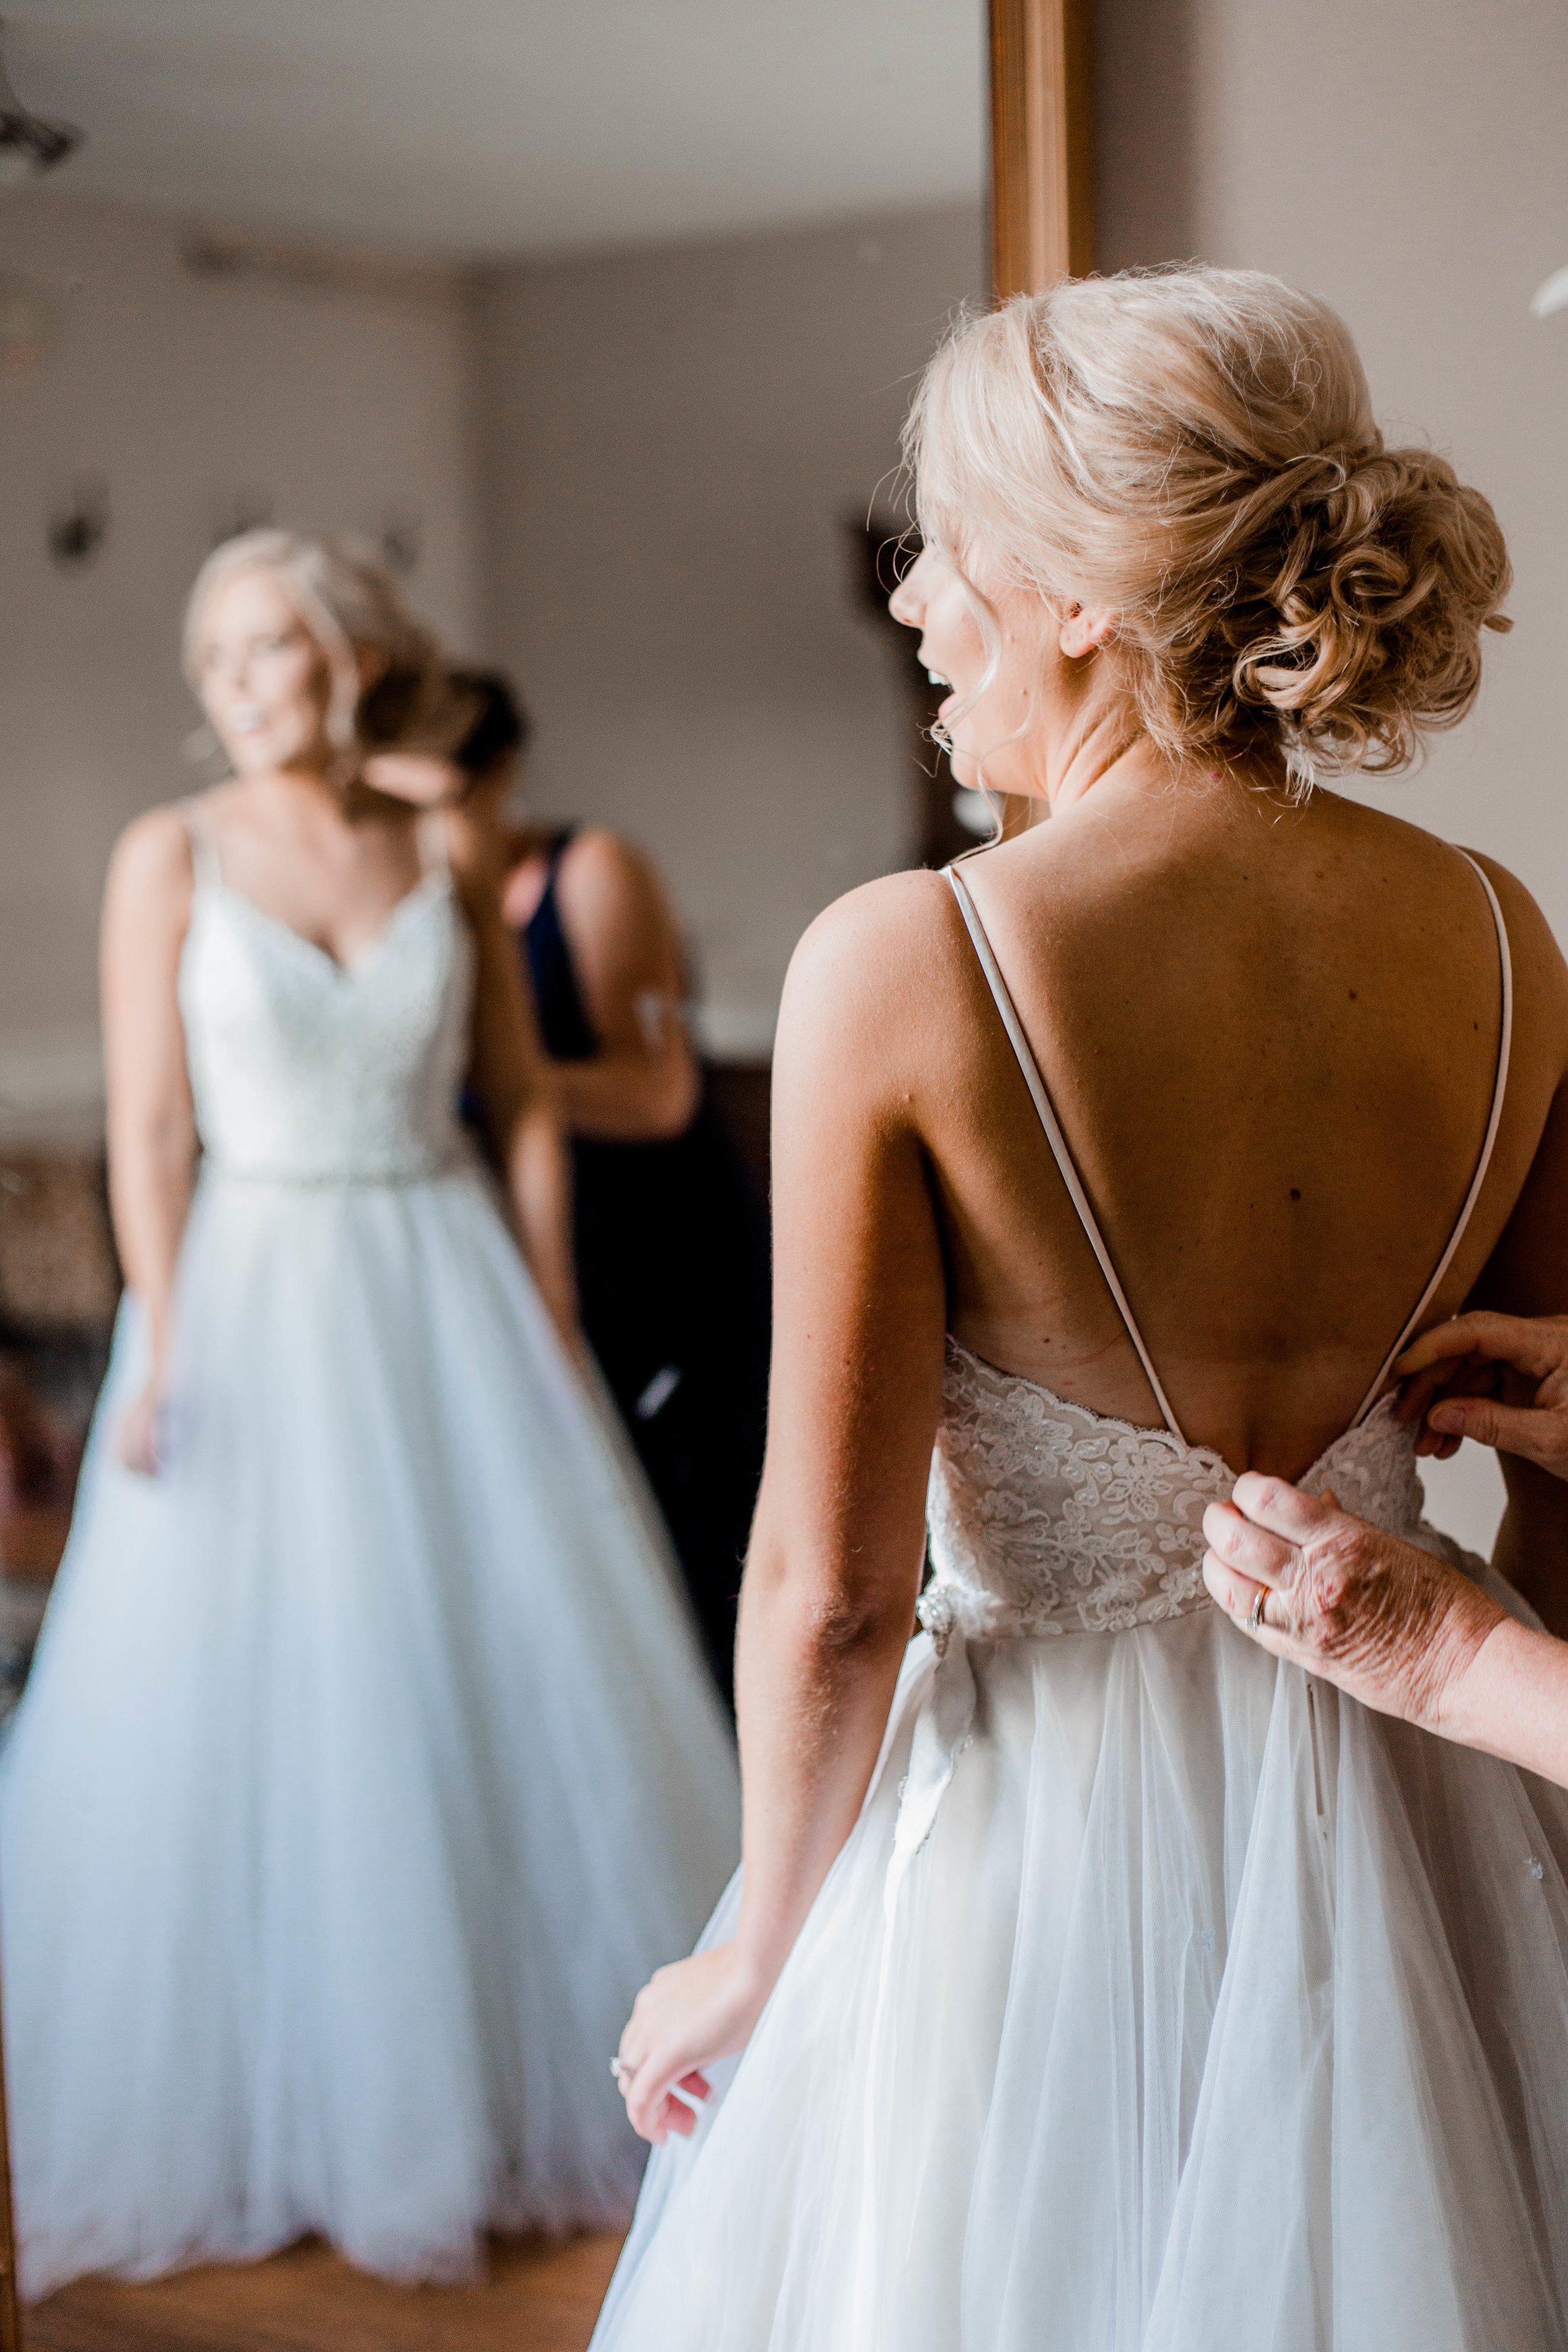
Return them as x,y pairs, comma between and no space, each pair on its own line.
671,1241
672,1277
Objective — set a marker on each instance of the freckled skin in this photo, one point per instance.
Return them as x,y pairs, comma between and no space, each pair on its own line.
1394,1626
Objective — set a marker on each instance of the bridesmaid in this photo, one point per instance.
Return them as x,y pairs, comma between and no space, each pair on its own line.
671,1244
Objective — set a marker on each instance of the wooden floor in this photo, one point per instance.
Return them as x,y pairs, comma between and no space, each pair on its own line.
539,2298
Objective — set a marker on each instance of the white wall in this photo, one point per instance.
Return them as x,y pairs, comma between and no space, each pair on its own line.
193,399
674,441
1409,160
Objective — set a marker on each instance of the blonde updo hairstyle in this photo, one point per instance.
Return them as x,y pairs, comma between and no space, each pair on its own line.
1194,450
354,608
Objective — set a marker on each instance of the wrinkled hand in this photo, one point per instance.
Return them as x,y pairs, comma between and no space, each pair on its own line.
1500,1379
684,2018
1393,1625
137,1441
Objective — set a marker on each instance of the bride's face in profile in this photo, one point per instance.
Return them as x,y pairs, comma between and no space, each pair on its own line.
262,677
1022,694
988,701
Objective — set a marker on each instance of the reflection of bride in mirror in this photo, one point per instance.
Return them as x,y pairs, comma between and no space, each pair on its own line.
369,1758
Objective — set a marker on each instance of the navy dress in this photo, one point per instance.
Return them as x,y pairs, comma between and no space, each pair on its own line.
673,1283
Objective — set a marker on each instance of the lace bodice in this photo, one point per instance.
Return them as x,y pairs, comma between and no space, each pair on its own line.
1047,1519
306,1071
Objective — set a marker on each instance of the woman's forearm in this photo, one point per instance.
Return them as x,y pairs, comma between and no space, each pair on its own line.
151,1182
539,1182
628,1097
1511,1699
814,1680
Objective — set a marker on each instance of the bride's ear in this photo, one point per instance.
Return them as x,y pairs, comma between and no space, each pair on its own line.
1083,629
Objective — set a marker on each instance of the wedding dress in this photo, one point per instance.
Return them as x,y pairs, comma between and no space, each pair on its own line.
1162,2000
369,1762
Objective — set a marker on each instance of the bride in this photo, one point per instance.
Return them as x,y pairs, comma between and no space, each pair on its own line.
369,1760
1101,1985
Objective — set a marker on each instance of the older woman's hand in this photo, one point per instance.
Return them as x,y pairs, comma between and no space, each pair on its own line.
1394,1626
1500,1379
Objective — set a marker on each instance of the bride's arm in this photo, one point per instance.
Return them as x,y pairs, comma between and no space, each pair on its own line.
834,1566
516,1087
152,1127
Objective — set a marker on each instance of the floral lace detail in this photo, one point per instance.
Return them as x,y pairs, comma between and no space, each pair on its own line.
307,1073
1373,1472
1047,1519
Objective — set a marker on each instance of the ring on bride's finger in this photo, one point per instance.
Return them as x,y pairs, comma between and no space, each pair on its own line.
1259,1602
621,2072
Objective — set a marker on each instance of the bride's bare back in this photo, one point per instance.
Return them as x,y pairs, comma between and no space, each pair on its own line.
1270,1033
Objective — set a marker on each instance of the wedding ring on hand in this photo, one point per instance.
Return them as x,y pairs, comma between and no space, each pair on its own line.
1259,1602
622,2073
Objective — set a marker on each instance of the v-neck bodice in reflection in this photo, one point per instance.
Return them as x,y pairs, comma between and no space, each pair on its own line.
304,1070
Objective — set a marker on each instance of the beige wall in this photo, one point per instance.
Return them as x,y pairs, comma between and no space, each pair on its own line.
340,409
1408,159
674,442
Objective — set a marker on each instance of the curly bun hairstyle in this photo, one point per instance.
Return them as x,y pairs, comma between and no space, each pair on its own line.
352,606
1195,449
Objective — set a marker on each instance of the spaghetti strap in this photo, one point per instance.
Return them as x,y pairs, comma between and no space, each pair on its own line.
1500,1088
1041,1099
207,865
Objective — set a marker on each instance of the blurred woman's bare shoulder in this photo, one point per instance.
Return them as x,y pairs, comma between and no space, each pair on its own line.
151,857
609,870
151,865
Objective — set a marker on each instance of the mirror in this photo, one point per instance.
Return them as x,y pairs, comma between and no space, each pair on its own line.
596,326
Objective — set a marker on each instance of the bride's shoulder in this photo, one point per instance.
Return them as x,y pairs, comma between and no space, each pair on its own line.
1527,926
874,940
160,836
1540,972
870,973
151,866
1434,883
152,853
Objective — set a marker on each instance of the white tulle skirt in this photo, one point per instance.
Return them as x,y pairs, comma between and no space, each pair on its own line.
367,1768
1216,2013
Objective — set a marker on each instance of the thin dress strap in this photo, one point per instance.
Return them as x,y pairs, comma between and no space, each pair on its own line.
207,865
1054,1136
1500,1088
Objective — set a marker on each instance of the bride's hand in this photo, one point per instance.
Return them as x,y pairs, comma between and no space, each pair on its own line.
684,2018
137,1439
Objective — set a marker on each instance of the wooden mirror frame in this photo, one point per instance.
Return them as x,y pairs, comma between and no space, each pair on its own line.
1042,174
1042,143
